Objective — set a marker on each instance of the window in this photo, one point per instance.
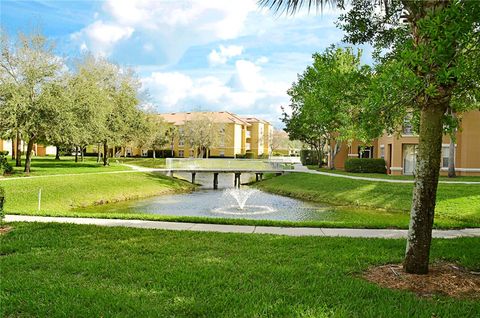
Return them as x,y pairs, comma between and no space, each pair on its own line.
192,153
365,152
180,153
382,151
144,152
222,153
445,156
407,125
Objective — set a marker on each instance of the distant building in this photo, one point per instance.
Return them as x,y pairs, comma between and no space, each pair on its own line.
400,151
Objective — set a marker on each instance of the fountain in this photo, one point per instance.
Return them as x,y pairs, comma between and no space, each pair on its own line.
241,197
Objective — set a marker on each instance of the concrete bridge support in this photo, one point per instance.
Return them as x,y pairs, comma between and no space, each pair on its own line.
193,177
215,181
236,182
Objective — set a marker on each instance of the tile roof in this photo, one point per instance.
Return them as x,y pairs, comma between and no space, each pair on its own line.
218,117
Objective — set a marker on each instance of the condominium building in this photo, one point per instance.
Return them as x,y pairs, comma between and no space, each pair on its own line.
400,151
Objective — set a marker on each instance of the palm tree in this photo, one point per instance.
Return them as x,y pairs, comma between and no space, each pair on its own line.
431,106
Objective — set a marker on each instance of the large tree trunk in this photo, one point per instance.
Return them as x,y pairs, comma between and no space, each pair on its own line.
125,152
76,153
28,158
424,192
81,153
18,153
57,153
451,157
105,153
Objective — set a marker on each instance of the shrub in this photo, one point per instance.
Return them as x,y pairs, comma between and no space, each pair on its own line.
308,157
5,167
365,165
249,155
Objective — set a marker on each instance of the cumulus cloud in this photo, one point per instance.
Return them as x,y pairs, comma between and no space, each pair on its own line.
224,53
102,36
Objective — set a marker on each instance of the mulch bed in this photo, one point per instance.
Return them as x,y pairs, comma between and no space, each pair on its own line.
443,279
5,229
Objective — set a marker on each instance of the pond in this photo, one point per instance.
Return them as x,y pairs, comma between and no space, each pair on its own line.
226,202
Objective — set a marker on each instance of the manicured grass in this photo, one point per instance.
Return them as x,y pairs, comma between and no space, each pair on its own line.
458,205
52,270
60,193
144,162
387,176
67,165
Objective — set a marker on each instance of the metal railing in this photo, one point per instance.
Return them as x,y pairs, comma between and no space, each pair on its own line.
194,164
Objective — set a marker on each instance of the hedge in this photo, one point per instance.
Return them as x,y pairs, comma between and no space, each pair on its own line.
5,167
365,165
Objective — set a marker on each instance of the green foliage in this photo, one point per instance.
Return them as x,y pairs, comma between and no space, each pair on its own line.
309,157
365,165
5,166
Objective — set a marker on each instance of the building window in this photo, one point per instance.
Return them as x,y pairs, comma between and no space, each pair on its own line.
382,151
445,156
181,143
192,153
180,153
144,152
365,152
407,125
222,153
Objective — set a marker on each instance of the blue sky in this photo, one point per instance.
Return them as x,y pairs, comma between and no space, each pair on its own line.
189,54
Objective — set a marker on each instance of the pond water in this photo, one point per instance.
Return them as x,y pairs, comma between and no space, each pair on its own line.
222,203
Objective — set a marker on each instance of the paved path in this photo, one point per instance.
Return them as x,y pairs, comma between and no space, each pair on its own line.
300,168
289,231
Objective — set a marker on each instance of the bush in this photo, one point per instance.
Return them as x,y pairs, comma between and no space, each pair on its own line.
249,155
365,165
308,157
5,167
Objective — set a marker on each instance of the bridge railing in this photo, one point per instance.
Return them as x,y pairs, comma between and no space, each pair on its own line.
225,164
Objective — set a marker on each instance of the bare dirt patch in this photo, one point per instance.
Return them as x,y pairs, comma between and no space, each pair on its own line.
5,229
443,279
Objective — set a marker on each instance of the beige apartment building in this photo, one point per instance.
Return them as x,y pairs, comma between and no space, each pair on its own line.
399,151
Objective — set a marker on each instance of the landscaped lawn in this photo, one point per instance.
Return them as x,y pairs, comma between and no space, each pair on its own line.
51,270
457,204
144,162
67,165
388,176
62,193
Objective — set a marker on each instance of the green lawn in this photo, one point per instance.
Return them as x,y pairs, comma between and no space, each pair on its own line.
67,165
55,270
387,176
60,193
144,162
457,205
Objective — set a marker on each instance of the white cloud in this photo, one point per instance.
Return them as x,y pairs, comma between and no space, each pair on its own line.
169,87
224,54
102,36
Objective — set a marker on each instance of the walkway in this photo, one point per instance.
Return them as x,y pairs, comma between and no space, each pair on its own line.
289,231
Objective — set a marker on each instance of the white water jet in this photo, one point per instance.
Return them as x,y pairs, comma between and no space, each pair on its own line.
240,195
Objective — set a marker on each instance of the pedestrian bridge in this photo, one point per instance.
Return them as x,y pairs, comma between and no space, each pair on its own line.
235,166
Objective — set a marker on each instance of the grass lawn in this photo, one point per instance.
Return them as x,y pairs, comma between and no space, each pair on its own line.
53,270
457,205
67,165
387,176
60,193
144,162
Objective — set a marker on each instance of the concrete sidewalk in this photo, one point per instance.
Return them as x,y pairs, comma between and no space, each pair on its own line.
289,231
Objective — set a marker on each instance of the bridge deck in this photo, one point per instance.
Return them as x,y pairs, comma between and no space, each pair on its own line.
223,170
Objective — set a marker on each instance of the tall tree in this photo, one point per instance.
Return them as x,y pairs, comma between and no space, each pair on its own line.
428,41
201,133
30,67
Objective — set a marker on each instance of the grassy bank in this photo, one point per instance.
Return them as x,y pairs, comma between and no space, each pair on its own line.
49,166
388,176
59,194
144,162
457,205
49,270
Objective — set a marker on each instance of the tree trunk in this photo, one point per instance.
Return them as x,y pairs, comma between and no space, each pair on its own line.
18,153
28,158
81,153
424,192
451,157
319,156
98,151
76,153
154,156
105,153
125,152
57,153
13,148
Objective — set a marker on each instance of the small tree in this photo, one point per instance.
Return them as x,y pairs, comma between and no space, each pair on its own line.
201,133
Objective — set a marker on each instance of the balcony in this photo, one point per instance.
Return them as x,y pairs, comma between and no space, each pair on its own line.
247,146
248,134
